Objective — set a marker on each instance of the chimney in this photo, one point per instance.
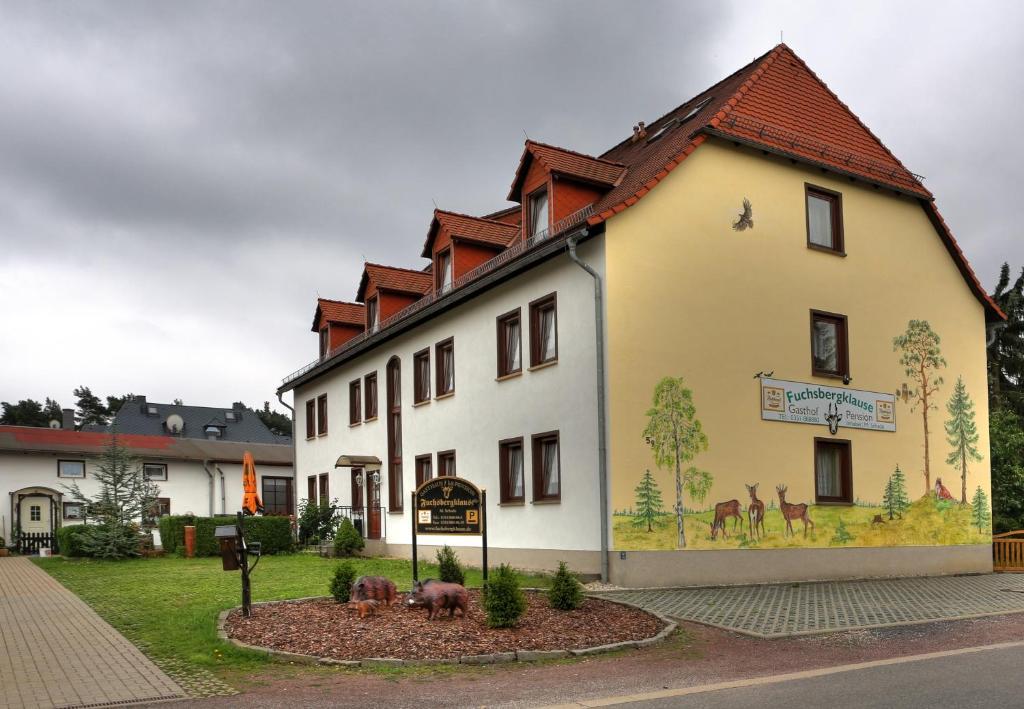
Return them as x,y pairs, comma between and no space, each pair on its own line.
67,419
140,399
639,132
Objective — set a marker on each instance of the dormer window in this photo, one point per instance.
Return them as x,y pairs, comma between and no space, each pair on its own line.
372,315
444,270
152,410
324,339
539,213
229,415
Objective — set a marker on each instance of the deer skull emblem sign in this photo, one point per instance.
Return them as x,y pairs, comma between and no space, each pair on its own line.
832,418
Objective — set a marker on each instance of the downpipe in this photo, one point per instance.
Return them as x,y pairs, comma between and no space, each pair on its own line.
223,492
602,443
209,473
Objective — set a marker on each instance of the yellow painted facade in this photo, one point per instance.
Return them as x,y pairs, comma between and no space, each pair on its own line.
690,297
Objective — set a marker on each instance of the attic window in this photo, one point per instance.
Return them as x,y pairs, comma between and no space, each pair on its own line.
229,415
213,431
152,411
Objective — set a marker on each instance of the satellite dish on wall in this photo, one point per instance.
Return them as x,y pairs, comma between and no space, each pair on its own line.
175,424
54,423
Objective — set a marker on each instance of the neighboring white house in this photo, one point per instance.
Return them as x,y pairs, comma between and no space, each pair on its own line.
200,476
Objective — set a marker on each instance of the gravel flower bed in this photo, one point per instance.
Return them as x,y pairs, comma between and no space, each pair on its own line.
324,628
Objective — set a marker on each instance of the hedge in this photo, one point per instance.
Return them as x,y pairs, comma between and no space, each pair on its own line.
273,533
69,540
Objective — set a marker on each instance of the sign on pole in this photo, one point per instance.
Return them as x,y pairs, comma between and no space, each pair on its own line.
449,505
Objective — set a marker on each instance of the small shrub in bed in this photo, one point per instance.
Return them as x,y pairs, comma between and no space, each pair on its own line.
347,540
450,568
504,601
341,584
565,593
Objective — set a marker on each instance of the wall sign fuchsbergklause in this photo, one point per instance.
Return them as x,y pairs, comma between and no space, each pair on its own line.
800,402
451,506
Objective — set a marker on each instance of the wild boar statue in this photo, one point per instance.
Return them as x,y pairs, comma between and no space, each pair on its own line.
374,588
435,596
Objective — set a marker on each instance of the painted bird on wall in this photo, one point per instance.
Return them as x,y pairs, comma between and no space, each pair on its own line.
746,218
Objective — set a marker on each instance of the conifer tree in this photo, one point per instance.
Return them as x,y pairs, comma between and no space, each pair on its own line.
648,502
980,516
895,499
961,433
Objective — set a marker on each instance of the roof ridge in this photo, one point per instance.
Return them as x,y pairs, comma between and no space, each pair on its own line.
507,210
340,302
614,163
479,219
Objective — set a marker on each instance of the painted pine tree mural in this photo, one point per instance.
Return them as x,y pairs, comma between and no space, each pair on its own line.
895,499
980,516
648,502
675,436
921,359
961,433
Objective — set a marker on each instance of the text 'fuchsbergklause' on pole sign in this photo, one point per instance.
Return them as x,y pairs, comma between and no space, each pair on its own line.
448,505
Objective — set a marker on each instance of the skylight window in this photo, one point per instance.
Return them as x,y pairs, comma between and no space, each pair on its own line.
696,109
152,410
229,415
679,121
663,130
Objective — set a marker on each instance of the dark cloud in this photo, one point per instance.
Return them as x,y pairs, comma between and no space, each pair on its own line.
179,180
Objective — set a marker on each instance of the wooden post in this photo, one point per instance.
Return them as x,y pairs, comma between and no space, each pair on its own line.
483,529
190,541
415,557
243,563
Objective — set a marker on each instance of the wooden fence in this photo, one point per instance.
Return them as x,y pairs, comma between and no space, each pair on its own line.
1008,551
32,542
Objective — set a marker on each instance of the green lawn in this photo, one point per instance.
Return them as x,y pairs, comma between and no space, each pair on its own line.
169,606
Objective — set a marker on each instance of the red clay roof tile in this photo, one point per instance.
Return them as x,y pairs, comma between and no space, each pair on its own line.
339,312
561,161
477,229
393,278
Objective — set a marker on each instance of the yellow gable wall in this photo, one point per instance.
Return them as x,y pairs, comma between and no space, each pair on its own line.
690,297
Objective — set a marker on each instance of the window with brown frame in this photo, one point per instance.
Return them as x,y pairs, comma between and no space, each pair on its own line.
393,394
424,469
324,340
311,418
510,343
372,314
277,495
510,466
311,489
355,402
370,388
444,270
324,491
833,471
830,354
421,376
446,463
76,510
543,331
539,213
547,469
444,360
824,219
321,415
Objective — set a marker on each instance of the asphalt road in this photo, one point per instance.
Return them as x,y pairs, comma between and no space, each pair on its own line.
984,679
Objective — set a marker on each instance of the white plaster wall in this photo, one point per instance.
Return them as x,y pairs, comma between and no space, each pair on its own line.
482,412
187,483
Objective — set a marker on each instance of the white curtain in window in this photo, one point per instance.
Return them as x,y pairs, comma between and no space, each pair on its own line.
829,467
826,349
445,267
551,472
512,346
819,221
547,334
539,214
448,368
373,317
396,387
397,482
515,471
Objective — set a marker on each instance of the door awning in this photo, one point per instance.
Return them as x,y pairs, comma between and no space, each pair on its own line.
357,461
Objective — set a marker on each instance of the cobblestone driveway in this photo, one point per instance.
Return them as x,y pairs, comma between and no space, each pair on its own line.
56,652
795,609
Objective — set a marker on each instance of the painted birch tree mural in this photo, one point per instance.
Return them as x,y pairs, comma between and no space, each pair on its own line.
675,436
921,359
961,433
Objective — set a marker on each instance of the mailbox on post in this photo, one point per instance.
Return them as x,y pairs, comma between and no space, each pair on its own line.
227,537
234,554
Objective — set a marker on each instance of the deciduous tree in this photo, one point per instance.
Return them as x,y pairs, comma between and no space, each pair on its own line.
921,359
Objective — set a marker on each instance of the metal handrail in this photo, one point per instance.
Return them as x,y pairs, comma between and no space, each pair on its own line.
522,246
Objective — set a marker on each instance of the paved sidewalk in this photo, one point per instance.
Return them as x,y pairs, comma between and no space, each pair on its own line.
805,608
56,652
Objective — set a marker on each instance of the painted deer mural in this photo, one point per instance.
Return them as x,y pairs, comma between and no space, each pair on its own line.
723,511
755,512
832,418
791,512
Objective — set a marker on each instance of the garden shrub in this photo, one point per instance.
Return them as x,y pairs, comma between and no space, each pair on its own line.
504,601
69,539
273,533
450,570
341,583
565,593
347,540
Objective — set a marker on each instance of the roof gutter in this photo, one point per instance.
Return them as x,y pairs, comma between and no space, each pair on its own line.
602,442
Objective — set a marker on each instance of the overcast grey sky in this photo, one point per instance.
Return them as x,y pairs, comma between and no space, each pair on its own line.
178,181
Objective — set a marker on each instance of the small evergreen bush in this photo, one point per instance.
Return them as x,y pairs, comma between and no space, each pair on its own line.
347,540
69,539
450,569
341,584
504,601
565,593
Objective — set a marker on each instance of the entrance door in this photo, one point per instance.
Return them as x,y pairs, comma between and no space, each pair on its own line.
35,515
358,510
373,511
